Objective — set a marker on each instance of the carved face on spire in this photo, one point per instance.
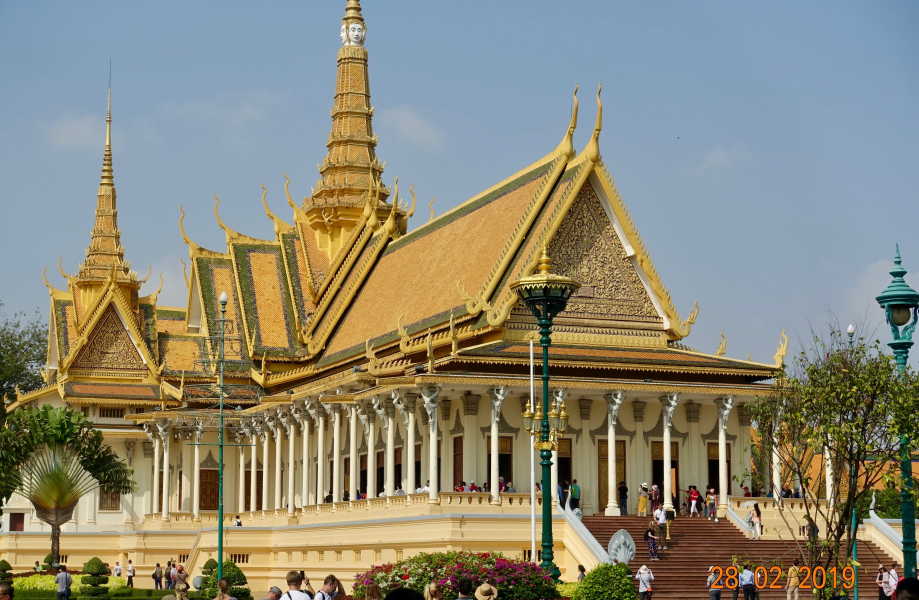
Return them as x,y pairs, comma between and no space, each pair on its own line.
356,34
344,34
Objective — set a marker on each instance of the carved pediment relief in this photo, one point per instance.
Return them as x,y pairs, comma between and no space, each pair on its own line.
109,347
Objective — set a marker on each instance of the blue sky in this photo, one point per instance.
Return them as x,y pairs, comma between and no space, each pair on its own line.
767,151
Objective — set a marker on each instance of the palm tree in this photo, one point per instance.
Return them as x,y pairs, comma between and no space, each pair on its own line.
56,457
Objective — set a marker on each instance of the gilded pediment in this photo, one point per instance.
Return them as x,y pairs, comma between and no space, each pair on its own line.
109,348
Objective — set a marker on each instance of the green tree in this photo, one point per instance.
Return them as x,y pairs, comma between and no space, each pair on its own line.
606,582
23,346
238,583
55,456
848,403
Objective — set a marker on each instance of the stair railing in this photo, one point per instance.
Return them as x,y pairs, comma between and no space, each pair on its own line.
584,534
882,526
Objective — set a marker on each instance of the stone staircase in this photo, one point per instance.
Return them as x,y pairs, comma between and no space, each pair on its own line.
696,544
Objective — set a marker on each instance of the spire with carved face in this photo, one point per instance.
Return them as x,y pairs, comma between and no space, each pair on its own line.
351,166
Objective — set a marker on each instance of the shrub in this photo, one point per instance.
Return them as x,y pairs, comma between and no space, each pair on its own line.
47,562
209,567
515,579
238,581
606,582
36,583
95,576
567,590
5,569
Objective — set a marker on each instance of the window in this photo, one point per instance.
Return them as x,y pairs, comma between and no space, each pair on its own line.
338,556
528,555
399,554
321,556
183,558
357,556
239,559
111,413
17,521
62,559
378,556
109,500
139,410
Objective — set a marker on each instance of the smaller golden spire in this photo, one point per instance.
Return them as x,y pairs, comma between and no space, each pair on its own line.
107,176
353,13
545,263
593,148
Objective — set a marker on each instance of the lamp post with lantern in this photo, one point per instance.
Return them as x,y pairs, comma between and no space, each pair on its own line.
901,307
546,295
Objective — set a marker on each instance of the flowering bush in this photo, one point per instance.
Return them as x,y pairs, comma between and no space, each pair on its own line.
514,579
46,583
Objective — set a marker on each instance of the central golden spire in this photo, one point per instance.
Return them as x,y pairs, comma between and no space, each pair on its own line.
351,165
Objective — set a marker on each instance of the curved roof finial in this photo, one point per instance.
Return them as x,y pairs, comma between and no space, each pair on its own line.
390,224
566,147
593,148
191,245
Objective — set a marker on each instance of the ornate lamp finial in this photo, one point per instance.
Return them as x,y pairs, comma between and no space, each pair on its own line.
545,263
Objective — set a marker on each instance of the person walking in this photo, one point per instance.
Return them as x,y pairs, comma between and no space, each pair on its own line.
486,591
575,502
793,583
642,501
117,570
651,534
294,582
655,496
757,517
883,581
713,593
173,571
63,581
238,522
644,577
623,499
157,577
181,583
564,493
582,572
747,584
660,515
130,574
331,587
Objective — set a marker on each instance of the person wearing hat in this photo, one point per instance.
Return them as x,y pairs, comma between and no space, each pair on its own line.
746,492
713,593
181,583
644,577
643,500
486,592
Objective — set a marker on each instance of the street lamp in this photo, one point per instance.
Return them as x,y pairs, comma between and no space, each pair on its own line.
850,331
546,295
900,302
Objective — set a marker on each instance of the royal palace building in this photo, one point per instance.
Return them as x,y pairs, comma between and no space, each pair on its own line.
359,355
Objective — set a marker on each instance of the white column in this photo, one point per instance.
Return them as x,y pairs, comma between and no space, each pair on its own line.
497,397
266,439
287,423
669,403
253,470
613,403
411,484
157,450
277,433
724,411
371,490
430,405
828,468
196,473
638,412
320,447
336,452
776,465
164,435
354,460
241,503
390,427
302,415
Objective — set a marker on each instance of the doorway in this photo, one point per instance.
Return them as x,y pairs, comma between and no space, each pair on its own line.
603,461
457,461
398,467
417,468
258,490
381,473
657,469
713,479
363,483
346,476
209,482
565,467
505,460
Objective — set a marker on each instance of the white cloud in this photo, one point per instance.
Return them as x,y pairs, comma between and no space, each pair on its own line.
720,158
860,299
411,127
75,132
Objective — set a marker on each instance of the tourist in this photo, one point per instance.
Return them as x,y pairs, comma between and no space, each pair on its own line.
294,581
130,574
883,581
328,498
713,593
464,586
432,591
117,570
908,589
793,583
746,492
797,493
655,495
582,572
651,535
346,497
181,583
660,515
274,593
644,577
427,487
502,487
623,499
642,501
575,494
565,492
173,572
158,577
510,488
894,578
372,591
331,587
37,567
238,522
63,581
486,591
6,591
747,584
757,517
485,488
223,589
538,487
472,486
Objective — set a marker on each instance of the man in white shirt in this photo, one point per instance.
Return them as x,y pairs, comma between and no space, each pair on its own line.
330,588
426,488
892,577
130,574
117,570
294,581
661,516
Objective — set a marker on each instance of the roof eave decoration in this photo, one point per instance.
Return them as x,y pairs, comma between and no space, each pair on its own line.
280,227
194,250
781,351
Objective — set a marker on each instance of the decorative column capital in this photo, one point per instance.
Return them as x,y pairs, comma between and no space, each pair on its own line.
497,396
273,423
692,412
198,431
379,407
724,411
398,400
638,409
613,404
429,396
559,396
149,431
669,404
411,400
163,427
470,404
585,405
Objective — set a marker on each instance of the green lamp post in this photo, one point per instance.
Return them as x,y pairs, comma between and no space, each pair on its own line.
901,306
546,295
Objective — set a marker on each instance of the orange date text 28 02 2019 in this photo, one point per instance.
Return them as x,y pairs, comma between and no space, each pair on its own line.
774,578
